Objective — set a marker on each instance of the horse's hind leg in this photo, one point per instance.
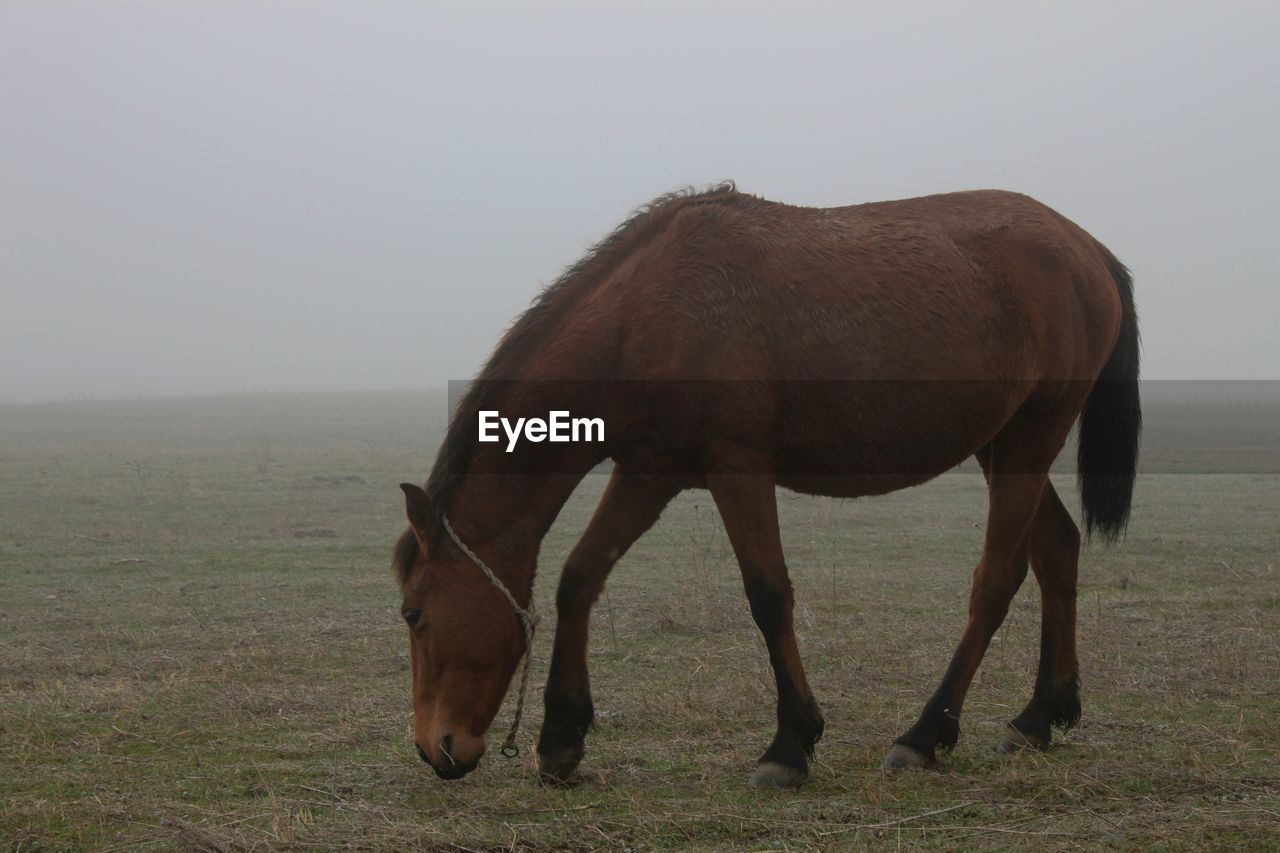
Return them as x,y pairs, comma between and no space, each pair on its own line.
1055,553
1016,480
630,506
748,506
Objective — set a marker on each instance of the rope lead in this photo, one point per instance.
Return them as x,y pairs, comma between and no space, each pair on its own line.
528,618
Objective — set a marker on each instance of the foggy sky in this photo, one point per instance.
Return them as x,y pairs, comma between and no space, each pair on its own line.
221,197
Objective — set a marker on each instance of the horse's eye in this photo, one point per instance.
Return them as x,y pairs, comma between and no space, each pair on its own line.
412,617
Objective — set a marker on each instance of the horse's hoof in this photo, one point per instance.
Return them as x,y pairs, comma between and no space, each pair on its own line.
903,757
770,774
559,767
1017,741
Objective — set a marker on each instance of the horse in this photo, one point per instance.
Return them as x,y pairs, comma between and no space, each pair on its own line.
736,344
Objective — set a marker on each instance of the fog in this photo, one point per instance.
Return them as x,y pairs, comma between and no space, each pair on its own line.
222,197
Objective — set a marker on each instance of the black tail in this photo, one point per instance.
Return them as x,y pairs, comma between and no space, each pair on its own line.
1110,426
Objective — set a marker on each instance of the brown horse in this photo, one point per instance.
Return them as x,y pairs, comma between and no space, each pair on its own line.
737,344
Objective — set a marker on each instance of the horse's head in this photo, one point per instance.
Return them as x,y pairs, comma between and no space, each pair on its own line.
464,640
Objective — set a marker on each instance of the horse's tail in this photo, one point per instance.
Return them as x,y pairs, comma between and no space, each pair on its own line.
1110,426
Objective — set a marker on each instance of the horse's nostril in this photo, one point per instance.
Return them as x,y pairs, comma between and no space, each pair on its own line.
446,748
422,753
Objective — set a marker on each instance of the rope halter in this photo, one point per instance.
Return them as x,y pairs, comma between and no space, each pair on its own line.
528,618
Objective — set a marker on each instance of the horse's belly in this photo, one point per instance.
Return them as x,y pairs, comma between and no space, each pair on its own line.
879,437
850,485
846,473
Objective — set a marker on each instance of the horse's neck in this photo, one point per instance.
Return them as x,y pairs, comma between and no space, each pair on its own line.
511,496
514,509
511,510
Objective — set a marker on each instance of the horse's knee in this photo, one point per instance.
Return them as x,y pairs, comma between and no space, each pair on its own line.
578,589
990,597
1066,542
1056,562
1055,548
771,600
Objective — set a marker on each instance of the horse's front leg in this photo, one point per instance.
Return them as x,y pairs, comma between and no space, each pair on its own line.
749,508
630,506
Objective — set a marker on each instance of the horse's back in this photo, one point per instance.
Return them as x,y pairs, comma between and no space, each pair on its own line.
863,348
967,285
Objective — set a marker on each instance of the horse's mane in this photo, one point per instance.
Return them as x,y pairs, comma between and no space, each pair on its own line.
532,327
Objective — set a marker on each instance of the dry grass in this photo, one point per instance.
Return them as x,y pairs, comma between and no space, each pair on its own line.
199,649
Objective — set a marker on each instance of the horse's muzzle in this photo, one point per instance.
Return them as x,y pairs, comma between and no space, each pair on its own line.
448,768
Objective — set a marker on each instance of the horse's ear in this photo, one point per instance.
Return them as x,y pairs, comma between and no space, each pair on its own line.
422,517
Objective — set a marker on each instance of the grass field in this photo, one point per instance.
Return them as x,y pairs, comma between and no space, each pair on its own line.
200,648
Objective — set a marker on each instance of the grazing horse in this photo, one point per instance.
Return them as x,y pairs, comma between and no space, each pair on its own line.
737,344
